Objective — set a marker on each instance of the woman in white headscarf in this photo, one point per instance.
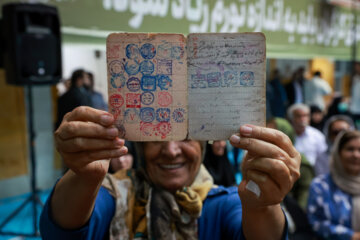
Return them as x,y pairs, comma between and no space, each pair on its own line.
334,198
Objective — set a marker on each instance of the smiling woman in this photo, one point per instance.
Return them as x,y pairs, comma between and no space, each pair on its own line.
171,195
334,199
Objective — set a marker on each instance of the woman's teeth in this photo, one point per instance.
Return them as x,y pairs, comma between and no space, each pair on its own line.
171,166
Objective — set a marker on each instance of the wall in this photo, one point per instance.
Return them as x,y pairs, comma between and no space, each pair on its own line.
14,157
14,144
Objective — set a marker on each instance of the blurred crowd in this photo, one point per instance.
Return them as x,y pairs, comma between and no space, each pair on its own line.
325,202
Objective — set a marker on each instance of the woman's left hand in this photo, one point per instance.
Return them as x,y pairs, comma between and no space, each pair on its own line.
271,162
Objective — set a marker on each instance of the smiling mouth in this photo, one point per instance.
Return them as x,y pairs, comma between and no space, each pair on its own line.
172,166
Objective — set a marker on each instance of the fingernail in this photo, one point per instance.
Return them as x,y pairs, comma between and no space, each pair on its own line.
235,139
112,132
246,130
106,119
124,150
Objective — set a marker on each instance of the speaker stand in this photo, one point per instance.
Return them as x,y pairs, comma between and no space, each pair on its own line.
33,199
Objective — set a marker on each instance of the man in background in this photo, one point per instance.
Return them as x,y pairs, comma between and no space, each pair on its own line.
76,96
97,98
314,91
309,141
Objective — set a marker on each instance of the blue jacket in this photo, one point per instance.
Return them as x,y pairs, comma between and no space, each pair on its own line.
221,218
329,209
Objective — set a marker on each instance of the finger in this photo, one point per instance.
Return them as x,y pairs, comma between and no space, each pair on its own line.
257,147
269,135
88,114
83,158
80,144
85,129
275,169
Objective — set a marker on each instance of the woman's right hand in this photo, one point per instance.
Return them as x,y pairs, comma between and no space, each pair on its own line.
356,236
87,140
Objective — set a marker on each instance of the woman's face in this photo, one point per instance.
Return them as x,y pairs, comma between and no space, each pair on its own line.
337,127
172,165
218,147
350,156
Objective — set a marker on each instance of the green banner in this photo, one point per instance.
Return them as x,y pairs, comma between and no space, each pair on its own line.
294,29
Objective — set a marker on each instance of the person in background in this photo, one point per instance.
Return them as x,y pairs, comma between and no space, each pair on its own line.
235,156
316,117
277,98
334,199
355,96
333,126
339,105
309,141
314,91
294,89
300,190
218,165
76,96
96,97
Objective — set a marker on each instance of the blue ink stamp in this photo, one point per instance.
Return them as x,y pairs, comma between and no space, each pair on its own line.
230,78
164,50
147,98
164,67
116,67
133,84
247,78
131,115
177,52
131,67
147,114
164,82
179,115
117,81
148,51
148,83
198,81
214,79
163,114
132,51
146,67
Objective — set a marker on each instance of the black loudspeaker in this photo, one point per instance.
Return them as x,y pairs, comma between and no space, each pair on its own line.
31,43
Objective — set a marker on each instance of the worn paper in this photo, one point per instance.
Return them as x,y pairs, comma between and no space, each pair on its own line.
226,80
163,87
147,85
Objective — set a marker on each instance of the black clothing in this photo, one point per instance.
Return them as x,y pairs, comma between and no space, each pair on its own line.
75,97
219,167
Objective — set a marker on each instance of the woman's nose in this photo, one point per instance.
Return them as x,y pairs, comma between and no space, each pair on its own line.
171,148
357,153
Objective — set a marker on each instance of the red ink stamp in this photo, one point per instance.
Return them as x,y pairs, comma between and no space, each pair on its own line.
113,51
116,100
147,129
133,100
116,112
164,99
163,129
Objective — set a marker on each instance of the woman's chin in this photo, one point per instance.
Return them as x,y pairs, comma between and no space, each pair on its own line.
173,185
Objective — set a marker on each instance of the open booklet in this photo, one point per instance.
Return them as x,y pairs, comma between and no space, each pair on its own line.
168,87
